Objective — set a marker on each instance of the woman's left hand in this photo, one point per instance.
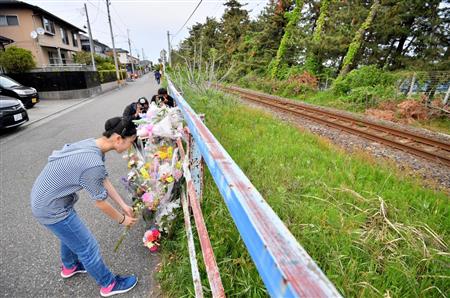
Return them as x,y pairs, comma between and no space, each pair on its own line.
128,211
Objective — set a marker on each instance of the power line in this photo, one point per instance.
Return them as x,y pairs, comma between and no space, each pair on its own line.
120,18
187,19
96,15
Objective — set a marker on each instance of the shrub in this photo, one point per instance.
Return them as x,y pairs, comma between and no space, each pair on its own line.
106,66
82,58
370,96
366,76
15,60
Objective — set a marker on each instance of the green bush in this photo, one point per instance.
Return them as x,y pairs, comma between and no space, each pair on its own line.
106,66
366,76
82,58
15,60
101,63
370,95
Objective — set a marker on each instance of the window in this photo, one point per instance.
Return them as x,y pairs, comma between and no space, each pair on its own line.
75,39
8,20
64,37
49,26
7,82
53,57
63,58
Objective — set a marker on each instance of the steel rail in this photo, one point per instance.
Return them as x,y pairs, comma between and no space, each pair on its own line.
435,150
381,127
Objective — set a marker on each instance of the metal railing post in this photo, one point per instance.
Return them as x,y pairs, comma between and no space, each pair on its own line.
197,165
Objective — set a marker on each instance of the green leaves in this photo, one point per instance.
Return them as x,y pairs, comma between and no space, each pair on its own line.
16,60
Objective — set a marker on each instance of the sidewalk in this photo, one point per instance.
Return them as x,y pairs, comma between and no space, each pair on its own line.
49,107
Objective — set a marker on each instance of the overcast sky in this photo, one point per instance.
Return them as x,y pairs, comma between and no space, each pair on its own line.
147,20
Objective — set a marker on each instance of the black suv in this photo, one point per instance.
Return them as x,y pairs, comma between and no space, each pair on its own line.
12,112
27,95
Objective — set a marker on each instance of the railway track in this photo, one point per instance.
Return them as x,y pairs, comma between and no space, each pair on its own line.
419,145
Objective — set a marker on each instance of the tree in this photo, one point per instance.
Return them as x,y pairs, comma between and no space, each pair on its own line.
357,40
312,61
293,18
234,25
408,35
265,35
15,60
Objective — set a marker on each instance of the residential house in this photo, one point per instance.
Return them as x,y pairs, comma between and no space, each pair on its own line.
99,48
124,58
51,40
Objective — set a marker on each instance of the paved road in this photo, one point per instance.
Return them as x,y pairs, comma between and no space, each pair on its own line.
29,256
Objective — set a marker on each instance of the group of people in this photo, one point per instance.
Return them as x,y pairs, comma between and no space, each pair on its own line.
133,110
78,166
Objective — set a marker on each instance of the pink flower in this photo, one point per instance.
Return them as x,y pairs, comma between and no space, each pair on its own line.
145,131
177,174
147,197
155,232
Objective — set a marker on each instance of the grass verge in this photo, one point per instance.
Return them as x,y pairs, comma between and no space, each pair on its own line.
372,231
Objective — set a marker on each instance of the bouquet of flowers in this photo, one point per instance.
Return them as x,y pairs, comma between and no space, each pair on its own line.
155,171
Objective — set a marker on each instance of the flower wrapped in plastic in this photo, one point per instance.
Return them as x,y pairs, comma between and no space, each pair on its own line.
151,239
155,173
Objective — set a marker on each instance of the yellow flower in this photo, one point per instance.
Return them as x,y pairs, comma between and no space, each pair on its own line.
144,173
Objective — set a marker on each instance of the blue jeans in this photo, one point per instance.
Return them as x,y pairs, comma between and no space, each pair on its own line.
79,245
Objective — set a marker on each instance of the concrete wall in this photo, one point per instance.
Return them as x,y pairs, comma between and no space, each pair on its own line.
82,93
71,94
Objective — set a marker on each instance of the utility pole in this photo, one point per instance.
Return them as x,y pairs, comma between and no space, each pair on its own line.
169,58
91,42
129,47
143,55
112,40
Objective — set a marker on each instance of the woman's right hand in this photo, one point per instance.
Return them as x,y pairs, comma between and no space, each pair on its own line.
129,221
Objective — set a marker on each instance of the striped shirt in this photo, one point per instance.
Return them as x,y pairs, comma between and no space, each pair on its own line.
76,166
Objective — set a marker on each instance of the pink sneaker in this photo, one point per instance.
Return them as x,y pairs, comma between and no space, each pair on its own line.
69,272
121,284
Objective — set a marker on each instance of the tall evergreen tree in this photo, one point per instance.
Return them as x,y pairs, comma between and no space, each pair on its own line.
358,39
293,18
313,62
235,22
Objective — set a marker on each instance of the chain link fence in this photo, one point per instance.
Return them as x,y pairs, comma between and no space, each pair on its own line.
431,84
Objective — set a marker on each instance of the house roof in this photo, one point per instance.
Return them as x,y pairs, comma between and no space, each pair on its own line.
36,9
119,50
84,37
5,40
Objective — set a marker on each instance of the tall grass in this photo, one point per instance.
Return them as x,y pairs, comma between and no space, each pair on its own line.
372,231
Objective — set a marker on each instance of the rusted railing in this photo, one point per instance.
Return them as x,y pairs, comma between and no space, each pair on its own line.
284,266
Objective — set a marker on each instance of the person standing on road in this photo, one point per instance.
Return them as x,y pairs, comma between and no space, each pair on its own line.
163,98
77,166
157,76
133,110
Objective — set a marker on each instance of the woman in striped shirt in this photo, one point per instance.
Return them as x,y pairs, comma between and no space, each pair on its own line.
79,166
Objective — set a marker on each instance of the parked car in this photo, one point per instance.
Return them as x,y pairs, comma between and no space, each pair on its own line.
12,112
27,95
